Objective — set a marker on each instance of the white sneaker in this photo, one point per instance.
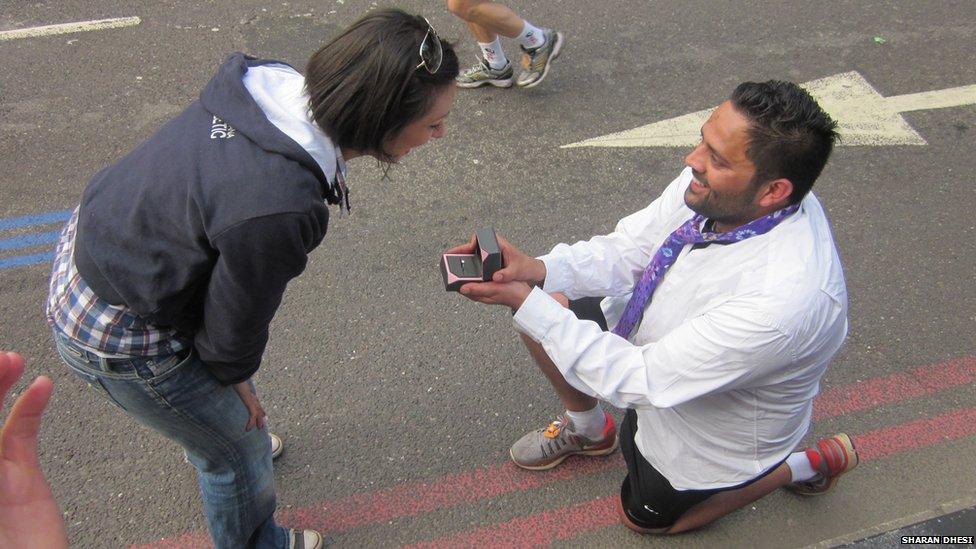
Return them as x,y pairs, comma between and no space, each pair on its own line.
277,446
305,539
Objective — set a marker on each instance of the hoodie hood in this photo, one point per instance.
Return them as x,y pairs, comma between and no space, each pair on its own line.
279,90
229,100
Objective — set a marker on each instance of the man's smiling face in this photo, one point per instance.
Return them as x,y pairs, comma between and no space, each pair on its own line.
722,188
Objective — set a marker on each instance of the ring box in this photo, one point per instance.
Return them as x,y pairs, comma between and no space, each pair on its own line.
459,269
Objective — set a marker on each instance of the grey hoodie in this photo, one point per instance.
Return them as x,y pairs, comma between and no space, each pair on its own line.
201,227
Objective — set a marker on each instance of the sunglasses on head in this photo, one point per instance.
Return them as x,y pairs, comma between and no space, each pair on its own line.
431,53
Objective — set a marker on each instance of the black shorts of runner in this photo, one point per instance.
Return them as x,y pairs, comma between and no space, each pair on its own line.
647,496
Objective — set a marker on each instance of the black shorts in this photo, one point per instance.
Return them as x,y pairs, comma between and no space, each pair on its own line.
647,497
588,308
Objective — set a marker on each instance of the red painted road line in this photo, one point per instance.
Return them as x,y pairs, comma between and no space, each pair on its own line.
414,498
542,529
538,530
456,489
922,381
448,491
917,434
196,540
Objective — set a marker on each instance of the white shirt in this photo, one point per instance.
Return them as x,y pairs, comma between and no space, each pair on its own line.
724,366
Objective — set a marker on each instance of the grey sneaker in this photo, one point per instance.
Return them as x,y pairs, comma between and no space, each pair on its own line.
546,448
536,62
305,539
482,74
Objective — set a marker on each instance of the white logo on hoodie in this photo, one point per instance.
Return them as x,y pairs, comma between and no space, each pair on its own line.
221,130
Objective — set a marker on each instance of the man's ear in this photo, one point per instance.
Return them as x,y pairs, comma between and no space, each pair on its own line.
777,193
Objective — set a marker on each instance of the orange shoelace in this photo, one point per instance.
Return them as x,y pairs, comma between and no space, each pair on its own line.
552,431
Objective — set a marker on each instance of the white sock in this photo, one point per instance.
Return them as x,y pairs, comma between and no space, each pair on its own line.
589,423
494,54
800,467
532,37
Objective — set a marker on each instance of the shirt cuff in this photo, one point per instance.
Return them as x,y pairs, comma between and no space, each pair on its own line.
557,279
538,313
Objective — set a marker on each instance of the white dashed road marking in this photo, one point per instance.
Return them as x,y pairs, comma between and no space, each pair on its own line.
67,28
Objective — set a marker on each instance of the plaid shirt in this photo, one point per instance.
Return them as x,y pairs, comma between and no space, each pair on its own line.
105,329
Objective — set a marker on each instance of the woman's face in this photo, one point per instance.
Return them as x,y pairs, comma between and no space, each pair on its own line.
430,124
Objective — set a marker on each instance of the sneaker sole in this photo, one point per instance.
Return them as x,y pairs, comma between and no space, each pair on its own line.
497,83
552,57
851,451
560,459
281,448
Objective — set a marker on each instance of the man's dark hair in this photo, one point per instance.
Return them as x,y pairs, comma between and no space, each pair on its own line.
364,86
790,136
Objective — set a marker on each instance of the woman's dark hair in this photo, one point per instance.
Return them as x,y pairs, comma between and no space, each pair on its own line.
790,135
364,86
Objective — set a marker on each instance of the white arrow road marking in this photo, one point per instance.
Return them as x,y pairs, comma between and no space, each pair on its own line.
66,28
864,116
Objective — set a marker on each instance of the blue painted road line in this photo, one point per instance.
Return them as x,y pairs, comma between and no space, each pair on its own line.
29,240
36,219
25,260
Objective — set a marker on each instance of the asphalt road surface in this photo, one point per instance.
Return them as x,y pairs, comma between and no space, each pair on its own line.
398,401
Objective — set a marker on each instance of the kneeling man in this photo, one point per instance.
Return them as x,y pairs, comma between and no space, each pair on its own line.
710,315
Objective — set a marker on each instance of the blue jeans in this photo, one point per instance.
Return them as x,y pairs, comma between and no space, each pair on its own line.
178,397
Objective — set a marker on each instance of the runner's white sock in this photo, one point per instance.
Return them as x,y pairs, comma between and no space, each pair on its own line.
494,54
800,467
589,423
532,37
